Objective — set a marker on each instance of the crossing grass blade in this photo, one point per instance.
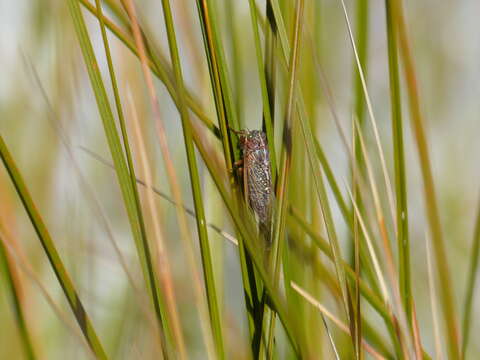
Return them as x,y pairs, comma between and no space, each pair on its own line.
128,188
317,174
279,231
159,66
48,245
212,296
266,101
227,119
433,216
246,228
7,267
470,287
403,241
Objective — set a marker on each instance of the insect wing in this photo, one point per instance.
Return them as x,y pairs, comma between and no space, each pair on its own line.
258,183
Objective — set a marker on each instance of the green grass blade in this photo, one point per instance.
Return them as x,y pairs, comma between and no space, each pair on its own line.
267,112
374,300
362,18
417,123
227,119
246,228
403,242
6,267
317,175
123,175
215,315
159,67
278,238
470,287
66,283
219,78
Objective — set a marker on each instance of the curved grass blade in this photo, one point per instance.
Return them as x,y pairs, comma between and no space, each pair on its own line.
317,174
128,188
417,123
403,242
471,280
246,228
227,119
158,65
267,111
309,298
66,283
279,231
164,195
370,110
7,266
215,315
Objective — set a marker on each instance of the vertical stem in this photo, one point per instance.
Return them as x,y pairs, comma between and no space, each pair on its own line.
417,121
471,280
215,316
227,118
48,245
359,166
282,187
8,268
403,242
267,114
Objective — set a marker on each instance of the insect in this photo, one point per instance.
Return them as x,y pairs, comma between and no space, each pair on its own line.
257,179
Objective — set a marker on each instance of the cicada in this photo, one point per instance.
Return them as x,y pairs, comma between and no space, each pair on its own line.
257,180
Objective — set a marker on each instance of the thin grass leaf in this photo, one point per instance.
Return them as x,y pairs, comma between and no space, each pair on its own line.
371,249
358,168
278,237
161,251
366,292
267,111
219,79
158,66
87,189
417,123
7,267
370,111
336,321
227,120
330,338
215,315
357,330
123,175
246,228
317,175
403,242
64,318
48,245
470,287
433,303
166,197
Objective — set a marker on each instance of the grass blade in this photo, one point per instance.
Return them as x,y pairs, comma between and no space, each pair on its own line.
66,283
246,228
266,101
123,175
7,267
215,315
227,119
317,175
159,67
403,242
471,280
417,123
336,321
278,238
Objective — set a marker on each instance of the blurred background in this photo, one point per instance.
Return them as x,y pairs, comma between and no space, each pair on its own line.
49,117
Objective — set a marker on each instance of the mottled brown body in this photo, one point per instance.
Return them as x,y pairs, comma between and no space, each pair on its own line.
257,176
